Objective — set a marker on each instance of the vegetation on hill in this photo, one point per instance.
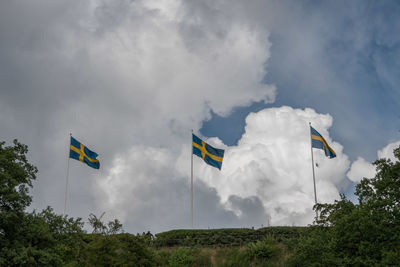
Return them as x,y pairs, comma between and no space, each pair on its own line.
224,237
345,234
363,234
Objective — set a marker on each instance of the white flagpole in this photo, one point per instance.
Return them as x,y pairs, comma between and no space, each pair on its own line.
313,172
66,183
191,183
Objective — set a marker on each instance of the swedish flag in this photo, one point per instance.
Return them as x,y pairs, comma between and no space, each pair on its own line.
212,156
319,142
80,152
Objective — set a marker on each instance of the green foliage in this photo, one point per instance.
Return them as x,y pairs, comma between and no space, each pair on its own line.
107,248
181,257
268,252
184,256
202,256
262,250
231,257
99,227
345,234
224,237
363,234
114,227
16,176
30,239
314,249
44,239
66,232
117,250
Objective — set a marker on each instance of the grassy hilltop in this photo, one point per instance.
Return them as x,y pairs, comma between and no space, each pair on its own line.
269,246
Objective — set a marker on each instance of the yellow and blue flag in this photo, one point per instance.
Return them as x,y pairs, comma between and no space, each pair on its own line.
319,142
80,152
212,156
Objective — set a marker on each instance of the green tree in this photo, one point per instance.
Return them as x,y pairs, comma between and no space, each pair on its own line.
65,235
16,176
363,234
99,227
117,250
97,224
31,239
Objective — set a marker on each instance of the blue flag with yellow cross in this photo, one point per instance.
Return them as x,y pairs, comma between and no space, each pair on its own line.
319,142
80,152
211,155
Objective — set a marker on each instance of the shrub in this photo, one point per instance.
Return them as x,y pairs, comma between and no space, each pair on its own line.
262,250
231,257
181,257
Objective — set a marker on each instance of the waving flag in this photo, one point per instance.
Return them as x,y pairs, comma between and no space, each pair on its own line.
319,142
212,156
80,152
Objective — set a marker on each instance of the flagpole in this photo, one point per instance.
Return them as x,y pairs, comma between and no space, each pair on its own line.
191,183
66,183
313,172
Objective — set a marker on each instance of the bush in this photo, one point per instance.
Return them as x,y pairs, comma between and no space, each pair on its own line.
118,250
224,237
181,257
231,257
261,250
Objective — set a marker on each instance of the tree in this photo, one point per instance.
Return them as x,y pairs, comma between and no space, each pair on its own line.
16,176
109,246
31,239
362,234
118,250
99,227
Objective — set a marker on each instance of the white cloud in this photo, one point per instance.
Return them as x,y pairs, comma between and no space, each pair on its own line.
387,151
146,192
269,171
273,162
363,169
360,169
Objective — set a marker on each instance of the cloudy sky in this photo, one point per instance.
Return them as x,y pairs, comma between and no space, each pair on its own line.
130,79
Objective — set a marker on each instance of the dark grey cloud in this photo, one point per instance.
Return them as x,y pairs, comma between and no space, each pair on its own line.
117,75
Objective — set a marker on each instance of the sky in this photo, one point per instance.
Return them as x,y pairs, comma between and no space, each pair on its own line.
131,79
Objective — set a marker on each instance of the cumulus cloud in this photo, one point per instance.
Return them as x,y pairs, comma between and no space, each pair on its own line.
272,161
387,151
266,178
147,192
360,169
363,169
